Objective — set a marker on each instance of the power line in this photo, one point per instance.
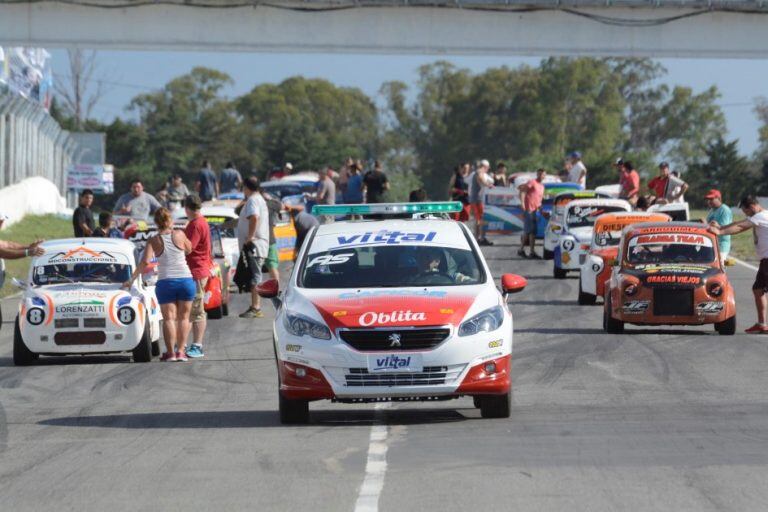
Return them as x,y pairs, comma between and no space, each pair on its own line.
115,84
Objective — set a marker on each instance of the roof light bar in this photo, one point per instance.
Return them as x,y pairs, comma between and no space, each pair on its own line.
387,208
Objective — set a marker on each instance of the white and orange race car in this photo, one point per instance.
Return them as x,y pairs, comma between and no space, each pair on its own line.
74,303
392,309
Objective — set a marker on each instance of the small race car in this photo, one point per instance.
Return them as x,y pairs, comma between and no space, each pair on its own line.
669,274
555,224
576,235
74,303
596,268
393,309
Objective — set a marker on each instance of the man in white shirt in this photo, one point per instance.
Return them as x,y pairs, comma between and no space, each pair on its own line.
757,220
578,172
253,239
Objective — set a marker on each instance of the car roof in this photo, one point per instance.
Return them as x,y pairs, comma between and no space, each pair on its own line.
91,243
598,201
219,211
668,227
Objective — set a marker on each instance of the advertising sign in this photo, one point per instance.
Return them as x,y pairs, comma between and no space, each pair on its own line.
99,178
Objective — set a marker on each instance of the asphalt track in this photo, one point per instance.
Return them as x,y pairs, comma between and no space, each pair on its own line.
655,419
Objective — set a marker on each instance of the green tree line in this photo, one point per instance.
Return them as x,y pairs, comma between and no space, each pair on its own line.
528,117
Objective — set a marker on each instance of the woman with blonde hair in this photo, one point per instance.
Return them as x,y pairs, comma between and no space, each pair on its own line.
175,287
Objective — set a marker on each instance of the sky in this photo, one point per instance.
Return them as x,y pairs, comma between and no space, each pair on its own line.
128,73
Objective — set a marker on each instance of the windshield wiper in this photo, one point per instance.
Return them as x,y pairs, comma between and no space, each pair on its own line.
56,274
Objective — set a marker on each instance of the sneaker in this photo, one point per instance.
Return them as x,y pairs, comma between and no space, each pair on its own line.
522,254
534,256
252,313
180,356
757,329
484,241
194,351
168,357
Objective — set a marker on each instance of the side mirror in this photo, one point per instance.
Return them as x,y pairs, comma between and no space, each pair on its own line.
21,285
268,289
512,283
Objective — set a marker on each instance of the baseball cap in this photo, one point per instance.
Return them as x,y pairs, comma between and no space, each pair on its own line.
664,164
485,163
289,166
575,154
619,161
713,193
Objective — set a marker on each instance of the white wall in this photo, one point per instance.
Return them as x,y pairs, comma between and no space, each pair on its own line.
35,196
417,29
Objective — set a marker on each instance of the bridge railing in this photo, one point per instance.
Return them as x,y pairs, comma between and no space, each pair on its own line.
32,143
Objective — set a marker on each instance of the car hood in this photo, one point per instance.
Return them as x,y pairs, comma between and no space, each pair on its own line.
581,234
392,307
81,298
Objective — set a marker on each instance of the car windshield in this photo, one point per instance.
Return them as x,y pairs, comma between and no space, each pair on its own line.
585,216
670,248
282,190
81,273
226,225
608,234
383,266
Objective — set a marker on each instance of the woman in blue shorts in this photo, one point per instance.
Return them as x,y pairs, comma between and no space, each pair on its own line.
175,287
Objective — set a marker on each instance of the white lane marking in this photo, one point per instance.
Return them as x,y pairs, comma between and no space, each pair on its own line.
375,467
744,263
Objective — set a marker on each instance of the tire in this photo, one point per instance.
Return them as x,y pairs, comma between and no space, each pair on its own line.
22,356
477,401
293,412
215,314
155,348
586,299
496,406
225,309
610,324
726,327
549,255
559,273
143,351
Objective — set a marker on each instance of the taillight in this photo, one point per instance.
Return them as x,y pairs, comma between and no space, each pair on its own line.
715,289
630,290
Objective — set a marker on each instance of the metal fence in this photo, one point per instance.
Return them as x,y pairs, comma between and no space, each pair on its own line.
32,143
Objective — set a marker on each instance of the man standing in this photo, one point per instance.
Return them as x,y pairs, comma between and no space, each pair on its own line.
629,182
578,171
666,187
207,187
326,193
136,203
757,219
231,180
82,218
478,182
303,222
719,215
274,207
531,196
353,190
199,263
177,191
253,238
376,183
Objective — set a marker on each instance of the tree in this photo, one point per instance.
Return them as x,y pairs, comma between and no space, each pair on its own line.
77,92
724,170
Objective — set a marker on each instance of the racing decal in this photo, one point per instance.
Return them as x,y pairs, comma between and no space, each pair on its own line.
83,307
386,237
669,229
395,317
126,315
710,308
216,220
495,343
83,255
292,348
49,300
652,268
116,302
672,279
367,294
35,316
671,238
330,259
634,307
372,311
391,363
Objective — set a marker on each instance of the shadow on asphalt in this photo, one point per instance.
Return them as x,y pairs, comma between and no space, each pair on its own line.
555,330
69,360
554,302
572,277
255,419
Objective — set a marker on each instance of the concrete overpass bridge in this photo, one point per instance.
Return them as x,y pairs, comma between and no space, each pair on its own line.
662,28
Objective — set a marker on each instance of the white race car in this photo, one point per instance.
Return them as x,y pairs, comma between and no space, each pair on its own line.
393,309
555,225
576,235
73,303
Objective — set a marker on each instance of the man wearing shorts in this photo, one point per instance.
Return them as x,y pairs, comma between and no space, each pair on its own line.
272,263
478,182
199,262
253,238
531,196
757,220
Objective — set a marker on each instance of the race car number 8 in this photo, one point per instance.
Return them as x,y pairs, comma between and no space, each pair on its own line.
126,315
35,316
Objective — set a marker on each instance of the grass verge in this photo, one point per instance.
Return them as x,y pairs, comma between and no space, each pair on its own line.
27,230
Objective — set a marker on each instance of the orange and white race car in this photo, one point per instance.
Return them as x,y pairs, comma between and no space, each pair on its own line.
669,274
597,263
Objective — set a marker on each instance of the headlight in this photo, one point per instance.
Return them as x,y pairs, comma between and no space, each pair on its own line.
487,321
299,325
568,245
715,289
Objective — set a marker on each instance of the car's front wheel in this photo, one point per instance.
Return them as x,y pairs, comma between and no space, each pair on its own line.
496,406
215,313
22,356
726,327
143,351
586,299
293,412
559,273
549,255
610,324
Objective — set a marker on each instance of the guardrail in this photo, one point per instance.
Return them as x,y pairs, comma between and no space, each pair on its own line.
32,143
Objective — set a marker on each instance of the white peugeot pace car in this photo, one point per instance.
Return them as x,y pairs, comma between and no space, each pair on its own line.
74,303
392,309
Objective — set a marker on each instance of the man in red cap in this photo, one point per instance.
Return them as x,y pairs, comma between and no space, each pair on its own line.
719,215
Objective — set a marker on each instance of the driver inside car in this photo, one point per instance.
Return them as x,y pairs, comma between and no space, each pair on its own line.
431,261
